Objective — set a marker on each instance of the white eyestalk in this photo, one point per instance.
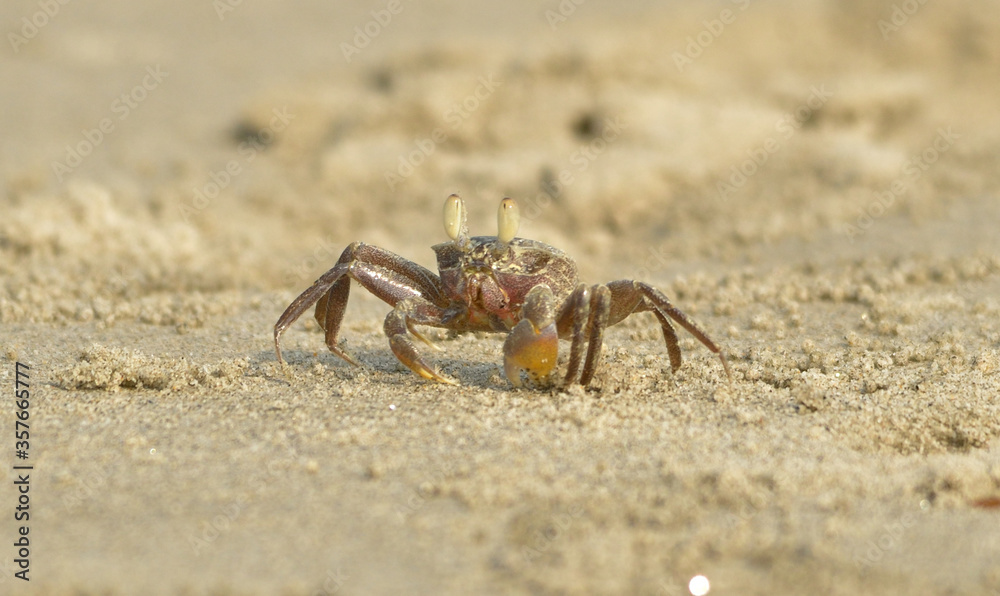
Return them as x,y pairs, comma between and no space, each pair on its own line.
454,220
508,220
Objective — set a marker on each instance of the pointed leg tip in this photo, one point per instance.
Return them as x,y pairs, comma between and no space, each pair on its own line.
725,365
440,378
347,357
283,366
433,375
424,339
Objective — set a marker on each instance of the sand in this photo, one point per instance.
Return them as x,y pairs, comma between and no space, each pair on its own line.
815,183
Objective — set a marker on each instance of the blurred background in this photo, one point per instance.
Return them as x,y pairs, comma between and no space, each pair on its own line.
681,131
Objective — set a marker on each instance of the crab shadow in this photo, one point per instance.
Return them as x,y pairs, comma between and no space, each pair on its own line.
467,363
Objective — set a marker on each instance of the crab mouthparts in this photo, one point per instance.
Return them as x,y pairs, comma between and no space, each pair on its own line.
485,293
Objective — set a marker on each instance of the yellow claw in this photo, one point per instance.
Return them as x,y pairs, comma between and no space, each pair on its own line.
530,349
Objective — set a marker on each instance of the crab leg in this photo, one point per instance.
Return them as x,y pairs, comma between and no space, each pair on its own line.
670,336
399,326
330,312
628,296
577,308
587,309
600,309
383,273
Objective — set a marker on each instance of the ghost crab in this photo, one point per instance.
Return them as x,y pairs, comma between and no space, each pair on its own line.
517,286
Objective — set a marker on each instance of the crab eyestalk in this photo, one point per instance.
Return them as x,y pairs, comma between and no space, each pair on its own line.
508,220
455,220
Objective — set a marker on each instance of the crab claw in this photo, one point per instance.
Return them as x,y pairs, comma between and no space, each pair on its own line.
533,344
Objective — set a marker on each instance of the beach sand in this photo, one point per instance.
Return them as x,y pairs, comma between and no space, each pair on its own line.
815,183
